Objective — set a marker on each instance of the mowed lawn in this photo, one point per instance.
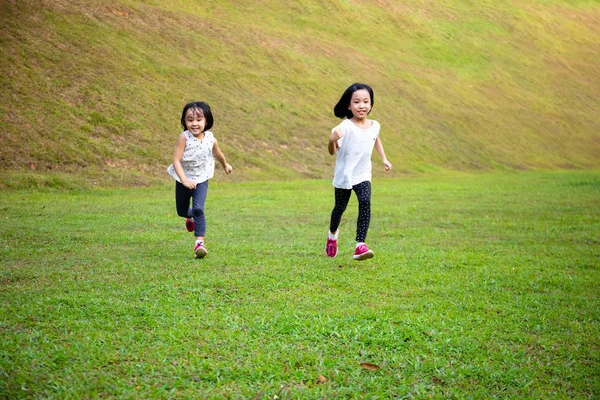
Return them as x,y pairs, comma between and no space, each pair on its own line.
482,286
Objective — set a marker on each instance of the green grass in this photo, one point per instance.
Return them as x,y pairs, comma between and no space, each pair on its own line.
95,88
483,286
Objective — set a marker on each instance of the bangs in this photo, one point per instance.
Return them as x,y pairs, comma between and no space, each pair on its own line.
195,110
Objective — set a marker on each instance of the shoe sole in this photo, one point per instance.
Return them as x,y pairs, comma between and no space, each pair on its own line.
189,226
201,253
364,256
333,256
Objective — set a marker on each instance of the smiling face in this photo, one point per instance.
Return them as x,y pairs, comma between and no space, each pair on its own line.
360,104
195,121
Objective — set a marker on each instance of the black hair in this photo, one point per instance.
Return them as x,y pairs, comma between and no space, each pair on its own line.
198,106
341,108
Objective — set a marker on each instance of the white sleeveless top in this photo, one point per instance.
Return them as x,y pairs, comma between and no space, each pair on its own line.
198,161
353,160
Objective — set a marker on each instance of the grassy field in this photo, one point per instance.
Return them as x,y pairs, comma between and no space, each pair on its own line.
483,286
96,87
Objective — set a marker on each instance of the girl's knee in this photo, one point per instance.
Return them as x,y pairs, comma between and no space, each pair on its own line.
340,208
198,212
364,203
183,213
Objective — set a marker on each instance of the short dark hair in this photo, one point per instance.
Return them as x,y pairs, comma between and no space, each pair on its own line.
341,108
200,106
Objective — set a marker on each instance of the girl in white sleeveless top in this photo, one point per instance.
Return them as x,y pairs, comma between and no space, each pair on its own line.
193,165
353,141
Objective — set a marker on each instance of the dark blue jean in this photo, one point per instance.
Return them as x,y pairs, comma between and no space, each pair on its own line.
198,196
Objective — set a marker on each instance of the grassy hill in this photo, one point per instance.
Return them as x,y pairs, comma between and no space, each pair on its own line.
94,89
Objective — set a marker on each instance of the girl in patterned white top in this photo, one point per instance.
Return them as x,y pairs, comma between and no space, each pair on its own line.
353,141
193,165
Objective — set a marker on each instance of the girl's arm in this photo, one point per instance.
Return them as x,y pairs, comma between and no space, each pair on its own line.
221,158
177,156
379,148
333,144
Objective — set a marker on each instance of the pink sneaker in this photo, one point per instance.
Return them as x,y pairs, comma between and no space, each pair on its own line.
362,253
189,225
331,248
200,250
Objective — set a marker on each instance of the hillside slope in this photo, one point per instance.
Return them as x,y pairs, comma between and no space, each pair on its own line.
96,87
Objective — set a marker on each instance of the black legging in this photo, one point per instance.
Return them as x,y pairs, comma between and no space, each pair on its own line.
342,196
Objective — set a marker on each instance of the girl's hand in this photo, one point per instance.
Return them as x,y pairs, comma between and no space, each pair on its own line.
335,136
387,164
189,184
227,168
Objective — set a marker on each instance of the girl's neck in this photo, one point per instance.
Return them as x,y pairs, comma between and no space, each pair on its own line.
199,136
361,123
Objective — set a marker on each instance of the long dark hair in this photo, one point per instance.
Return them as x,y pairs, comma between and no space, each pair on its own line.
341,108
198,106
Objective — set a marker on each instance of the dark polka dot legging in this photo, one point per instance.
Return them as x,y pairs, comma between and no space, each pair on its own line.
342,196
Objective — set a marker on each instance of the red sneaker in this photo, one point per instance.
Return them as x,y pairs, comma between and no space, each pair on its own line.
189,225
362,253
331,248
200,250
